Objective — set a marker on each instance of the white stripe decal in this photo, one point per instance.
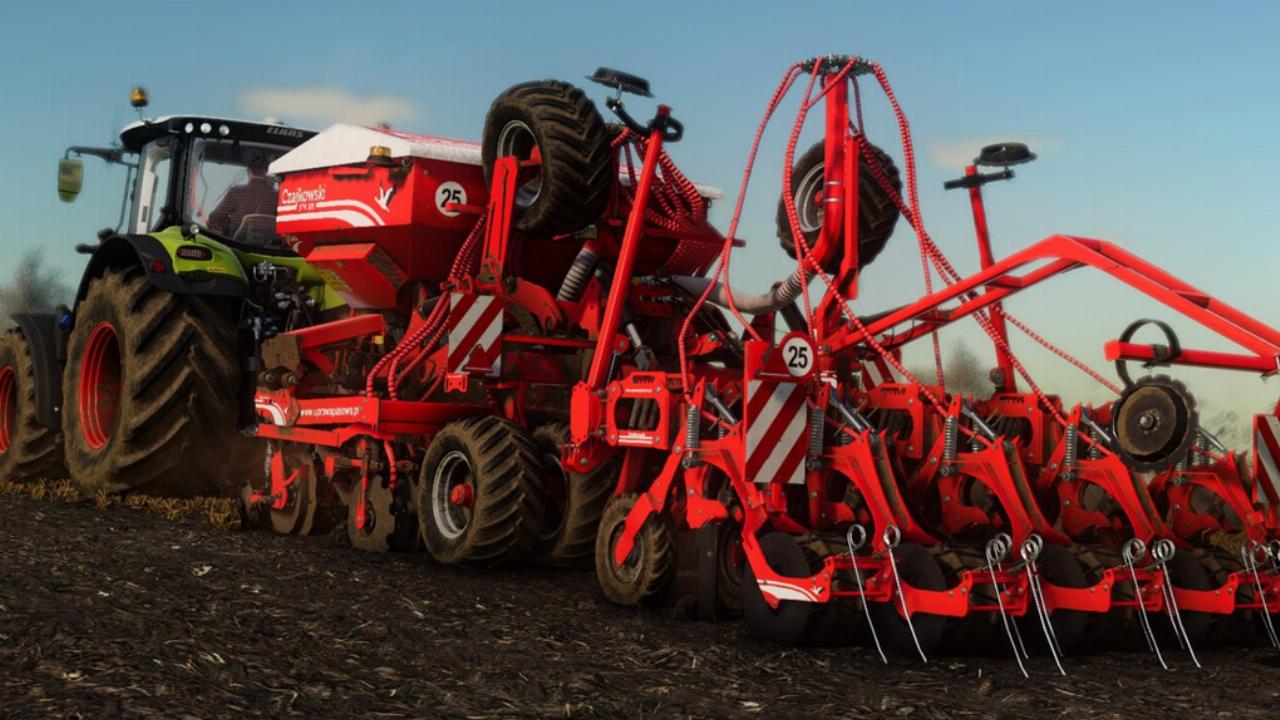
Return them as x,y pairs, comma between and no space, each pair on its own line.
489,339
350,217
277,415
786,591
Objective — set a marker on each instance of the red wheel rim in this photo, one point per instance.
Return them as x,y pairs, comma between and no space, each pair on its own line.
100,385
8,407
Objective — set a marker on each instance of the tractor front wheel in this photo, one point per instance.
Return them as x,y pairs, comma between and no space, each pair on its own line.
149,393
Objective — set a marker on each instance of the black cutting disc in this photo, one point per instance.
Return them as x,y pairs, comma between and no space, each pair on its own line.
1154,423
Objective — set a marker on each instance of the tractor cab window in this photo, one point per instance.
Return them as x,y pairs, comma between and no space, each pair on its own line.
152,191
230,194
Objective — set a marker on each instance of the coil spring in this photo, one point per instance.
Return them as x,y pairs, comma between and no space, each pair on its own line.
1095,449
817,424
575,281
692,427
950,437
1071,456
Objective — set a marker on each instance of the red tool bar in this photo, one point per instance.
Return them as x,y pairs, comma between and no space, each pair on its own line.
1066,253
626,257
1117,350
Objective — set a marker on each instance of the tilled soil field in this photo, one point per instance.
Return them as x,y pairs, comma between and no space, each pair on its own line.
120,613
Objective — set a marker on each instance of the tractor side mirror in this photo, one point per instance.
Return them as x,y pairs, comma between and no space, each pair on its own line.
70,179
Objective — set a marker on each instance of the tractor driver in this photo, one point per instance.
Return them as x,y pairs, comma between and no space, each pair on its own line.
247,206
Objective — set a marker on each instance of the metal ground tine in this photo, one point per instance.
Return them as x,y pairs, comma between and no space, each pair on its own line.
997,549
857,576
892,536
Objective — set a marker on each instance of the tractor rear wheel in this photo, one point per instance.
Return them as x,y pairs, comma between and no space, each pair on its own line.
650,568
574,501
480,495
877,212
557,125
28,450
149,393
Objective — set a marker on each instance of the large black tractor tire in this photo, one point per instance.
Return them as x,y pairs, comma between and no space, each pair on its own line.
479,499
646,577
877,212
576,176
574,503
919,569
28,450
149,393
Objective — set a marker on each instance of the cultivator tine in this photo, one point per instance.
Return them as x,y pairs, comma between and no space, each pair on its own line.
854,546
1161,553
1030,551
1250,556
1133,551
892,536
996,551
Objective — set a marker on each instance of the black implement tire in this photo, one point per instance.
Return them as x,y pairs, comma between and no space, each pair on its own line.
646,577
1058,565
787,623
917,568
577,171
28,450
149,393
498,462
1188,573
574,502
877,213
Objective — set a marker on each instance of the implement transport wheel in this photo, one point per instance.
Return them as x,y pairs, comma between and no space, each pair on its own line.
479,499
386,525
646,576
877,213
1188,573
574,503
917,568
730,559
149,393
787,623
28,450
555,125
1058,565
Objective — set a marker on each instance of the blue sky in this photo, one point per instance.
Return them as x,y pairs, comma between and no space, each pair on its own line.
1155,122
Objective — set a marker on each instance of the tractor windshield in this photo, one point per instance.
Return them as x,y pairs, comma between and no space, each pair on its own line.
230,194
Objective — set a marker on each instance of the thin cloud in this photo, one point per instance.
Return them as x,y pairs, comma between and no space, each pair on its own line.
955,153
323,105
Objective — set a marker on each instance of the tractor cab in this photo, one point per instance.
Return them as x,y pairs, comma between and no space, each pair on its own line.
198,173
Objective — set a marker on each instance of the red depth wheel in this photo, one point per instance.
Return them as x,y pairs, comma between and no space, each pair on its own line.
100,377
8,407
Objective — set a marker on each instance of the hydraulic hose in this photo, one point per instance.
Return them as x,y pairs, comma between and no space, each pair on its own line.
779,296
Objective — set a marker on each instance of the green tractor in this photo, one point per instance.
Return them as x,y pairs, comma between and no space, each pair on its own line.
143,384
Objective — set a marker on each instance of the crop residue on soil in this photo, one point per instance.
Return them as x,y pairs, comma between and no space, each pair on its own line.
113,612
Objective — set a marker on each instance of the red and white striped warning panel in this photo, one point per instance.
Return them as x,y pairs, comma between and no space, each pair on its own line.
776,438
1266,454
475,326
